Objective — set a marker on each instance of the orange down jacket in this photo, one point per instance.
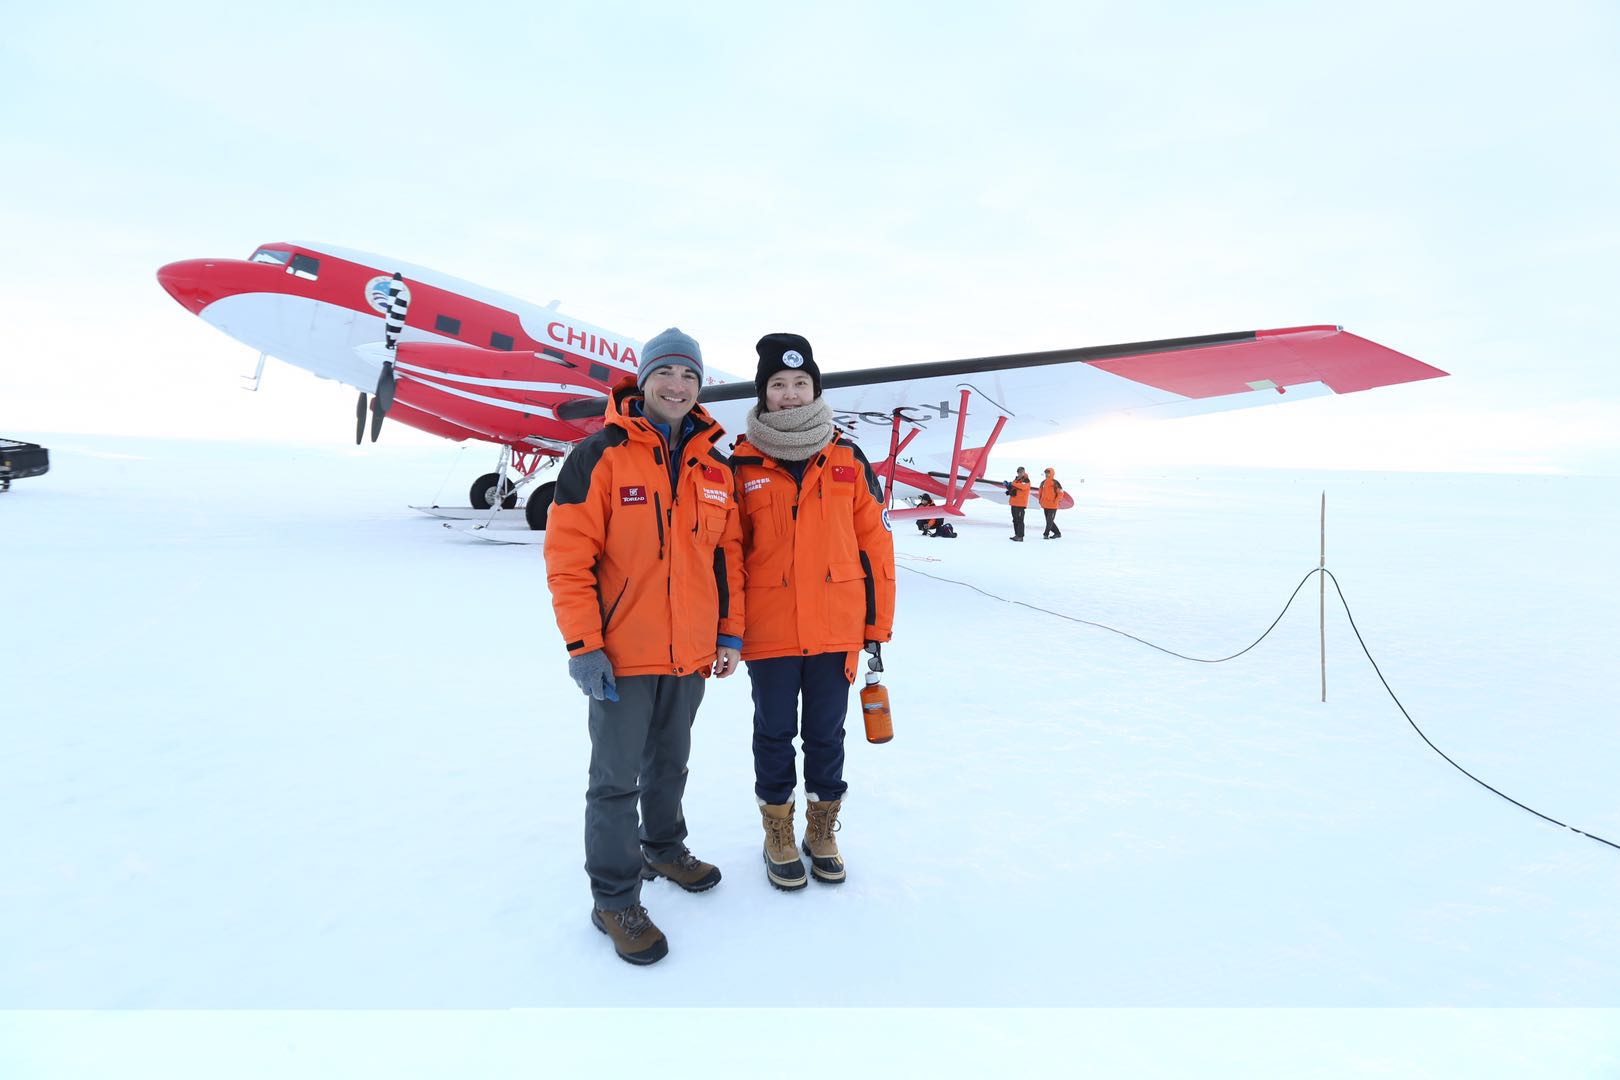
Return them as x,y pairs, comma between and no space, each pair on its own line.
645,559
1051,491
1019,493
818,554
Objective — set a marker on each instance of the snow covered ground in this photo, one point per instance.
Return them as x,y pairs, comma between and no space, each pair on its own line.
273,741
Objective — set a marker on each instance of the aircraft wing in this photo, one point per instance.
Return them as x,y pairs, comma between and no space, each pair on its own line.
1047,393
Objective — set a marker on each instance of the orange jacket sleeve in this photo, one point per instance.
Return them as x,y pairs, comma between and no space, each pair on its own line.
877,553
576,537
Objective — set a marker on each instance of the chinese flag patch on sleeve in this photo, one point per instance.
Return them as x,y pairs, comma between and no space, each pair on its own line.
844,474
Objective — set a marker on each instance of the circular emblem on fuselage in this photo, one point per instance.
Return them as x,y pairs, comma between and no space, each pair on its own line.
377,292
793,359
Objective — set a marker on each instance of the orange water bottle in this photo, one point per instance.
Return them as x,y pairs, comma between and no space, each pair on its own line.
875,698
875,710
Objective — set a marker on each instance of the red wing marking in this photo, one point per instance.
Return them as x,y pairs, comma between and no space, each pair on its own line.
1275,358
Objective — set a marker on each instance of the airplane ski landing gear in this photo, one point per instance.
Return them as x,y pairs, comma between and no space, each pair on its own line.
497,488
490,488
494,489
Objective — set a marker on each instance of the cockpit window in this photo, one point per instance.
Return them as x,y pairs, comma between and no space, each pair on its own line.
267,255
305,267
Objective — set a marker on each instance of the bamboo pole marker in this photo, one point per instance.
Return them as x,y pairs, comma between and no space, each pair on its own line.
1321,608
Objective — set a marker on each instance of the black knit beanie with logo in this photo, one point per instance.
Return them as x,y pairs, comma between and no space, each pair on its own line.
784,352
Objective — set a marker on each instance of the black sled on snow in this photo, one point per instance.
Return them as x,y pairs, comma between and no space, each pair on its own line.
21,459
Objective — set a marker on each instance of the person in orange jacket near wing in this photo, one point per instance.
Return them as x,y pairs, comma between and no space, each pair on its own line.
1050,494
644,560
819,562
1018,498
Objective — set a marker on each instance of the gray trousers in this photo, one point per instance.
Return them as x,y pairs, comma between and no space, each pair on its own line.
639,747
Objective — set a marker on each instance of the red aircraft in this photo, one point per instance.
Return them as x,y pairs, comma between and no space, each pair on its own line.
457,360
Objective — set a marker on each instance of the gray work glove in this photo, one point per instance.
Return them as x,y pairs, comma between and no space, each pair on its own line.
594,675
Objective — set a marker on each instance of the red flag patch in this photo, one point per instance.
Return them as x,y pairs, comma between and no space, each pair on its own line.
844,474
713,475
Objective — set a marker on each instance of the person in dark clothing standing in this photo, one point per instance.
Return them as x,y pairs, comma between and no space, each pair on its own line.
1018,499
1051,495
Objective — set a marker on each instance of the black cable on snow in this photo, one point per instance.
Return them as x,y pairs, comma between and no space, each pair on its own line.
1292,596
1346,605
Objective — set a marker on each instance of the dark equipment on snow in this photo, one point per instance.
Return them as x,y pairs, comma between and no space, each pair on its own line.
21,459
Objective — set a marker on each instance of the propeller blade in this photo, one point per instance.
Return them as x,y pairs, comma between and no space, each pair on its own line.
360,418
385,386
384,399
399,302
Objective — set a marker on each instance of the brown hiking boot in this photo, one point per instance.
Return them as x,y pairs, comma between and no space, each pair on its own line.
635,938
782,864
820,822
685,870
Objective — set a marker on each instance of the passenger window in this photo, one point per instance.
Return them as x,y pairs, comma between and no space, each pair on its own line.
444,324
500,341
600,373
305,267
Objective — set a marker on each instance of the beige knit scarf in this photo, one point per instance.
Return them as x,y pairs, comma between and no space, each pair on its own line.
791,434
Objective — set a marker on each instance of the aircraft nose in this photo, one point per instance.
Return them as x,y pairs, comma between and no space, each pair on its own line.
194,283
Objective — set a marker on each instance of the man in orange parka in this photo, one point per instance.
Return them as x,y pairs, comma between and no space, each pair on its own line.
820,569
1051,495
644,560
1018,498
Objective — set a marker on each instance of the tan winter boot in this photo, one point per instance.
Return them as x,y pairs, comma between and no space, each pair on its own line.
820,822
686,870
634,936
782,864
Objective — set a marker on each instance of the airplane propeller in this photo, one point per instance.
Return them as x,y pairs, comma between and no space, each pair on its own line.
399,300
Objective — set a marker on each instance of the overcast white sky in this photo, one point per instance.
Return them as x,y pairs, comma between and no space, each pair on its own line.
899,182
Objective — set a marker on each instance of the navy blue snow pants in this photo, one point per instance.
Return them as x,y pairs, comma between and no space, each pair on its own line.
779,685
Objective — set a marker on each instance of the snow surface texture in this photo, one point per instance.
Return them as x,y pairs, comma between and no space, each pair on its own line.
272,740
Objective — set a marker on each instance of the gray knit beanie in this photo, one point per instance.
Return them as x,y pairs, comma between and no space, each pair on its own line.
669,348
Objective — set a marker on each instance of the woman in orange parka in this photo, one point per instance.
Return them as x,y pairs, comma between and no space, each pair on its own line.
1051,495
818,560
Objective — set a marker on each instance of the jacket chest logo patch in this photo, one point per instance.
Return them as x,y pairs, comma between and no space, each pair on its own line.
756,484
844,474
713,475
634,495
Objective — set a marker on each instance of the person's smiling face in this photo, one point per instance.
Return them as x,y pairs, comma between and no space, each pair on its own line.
669,393
788,390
